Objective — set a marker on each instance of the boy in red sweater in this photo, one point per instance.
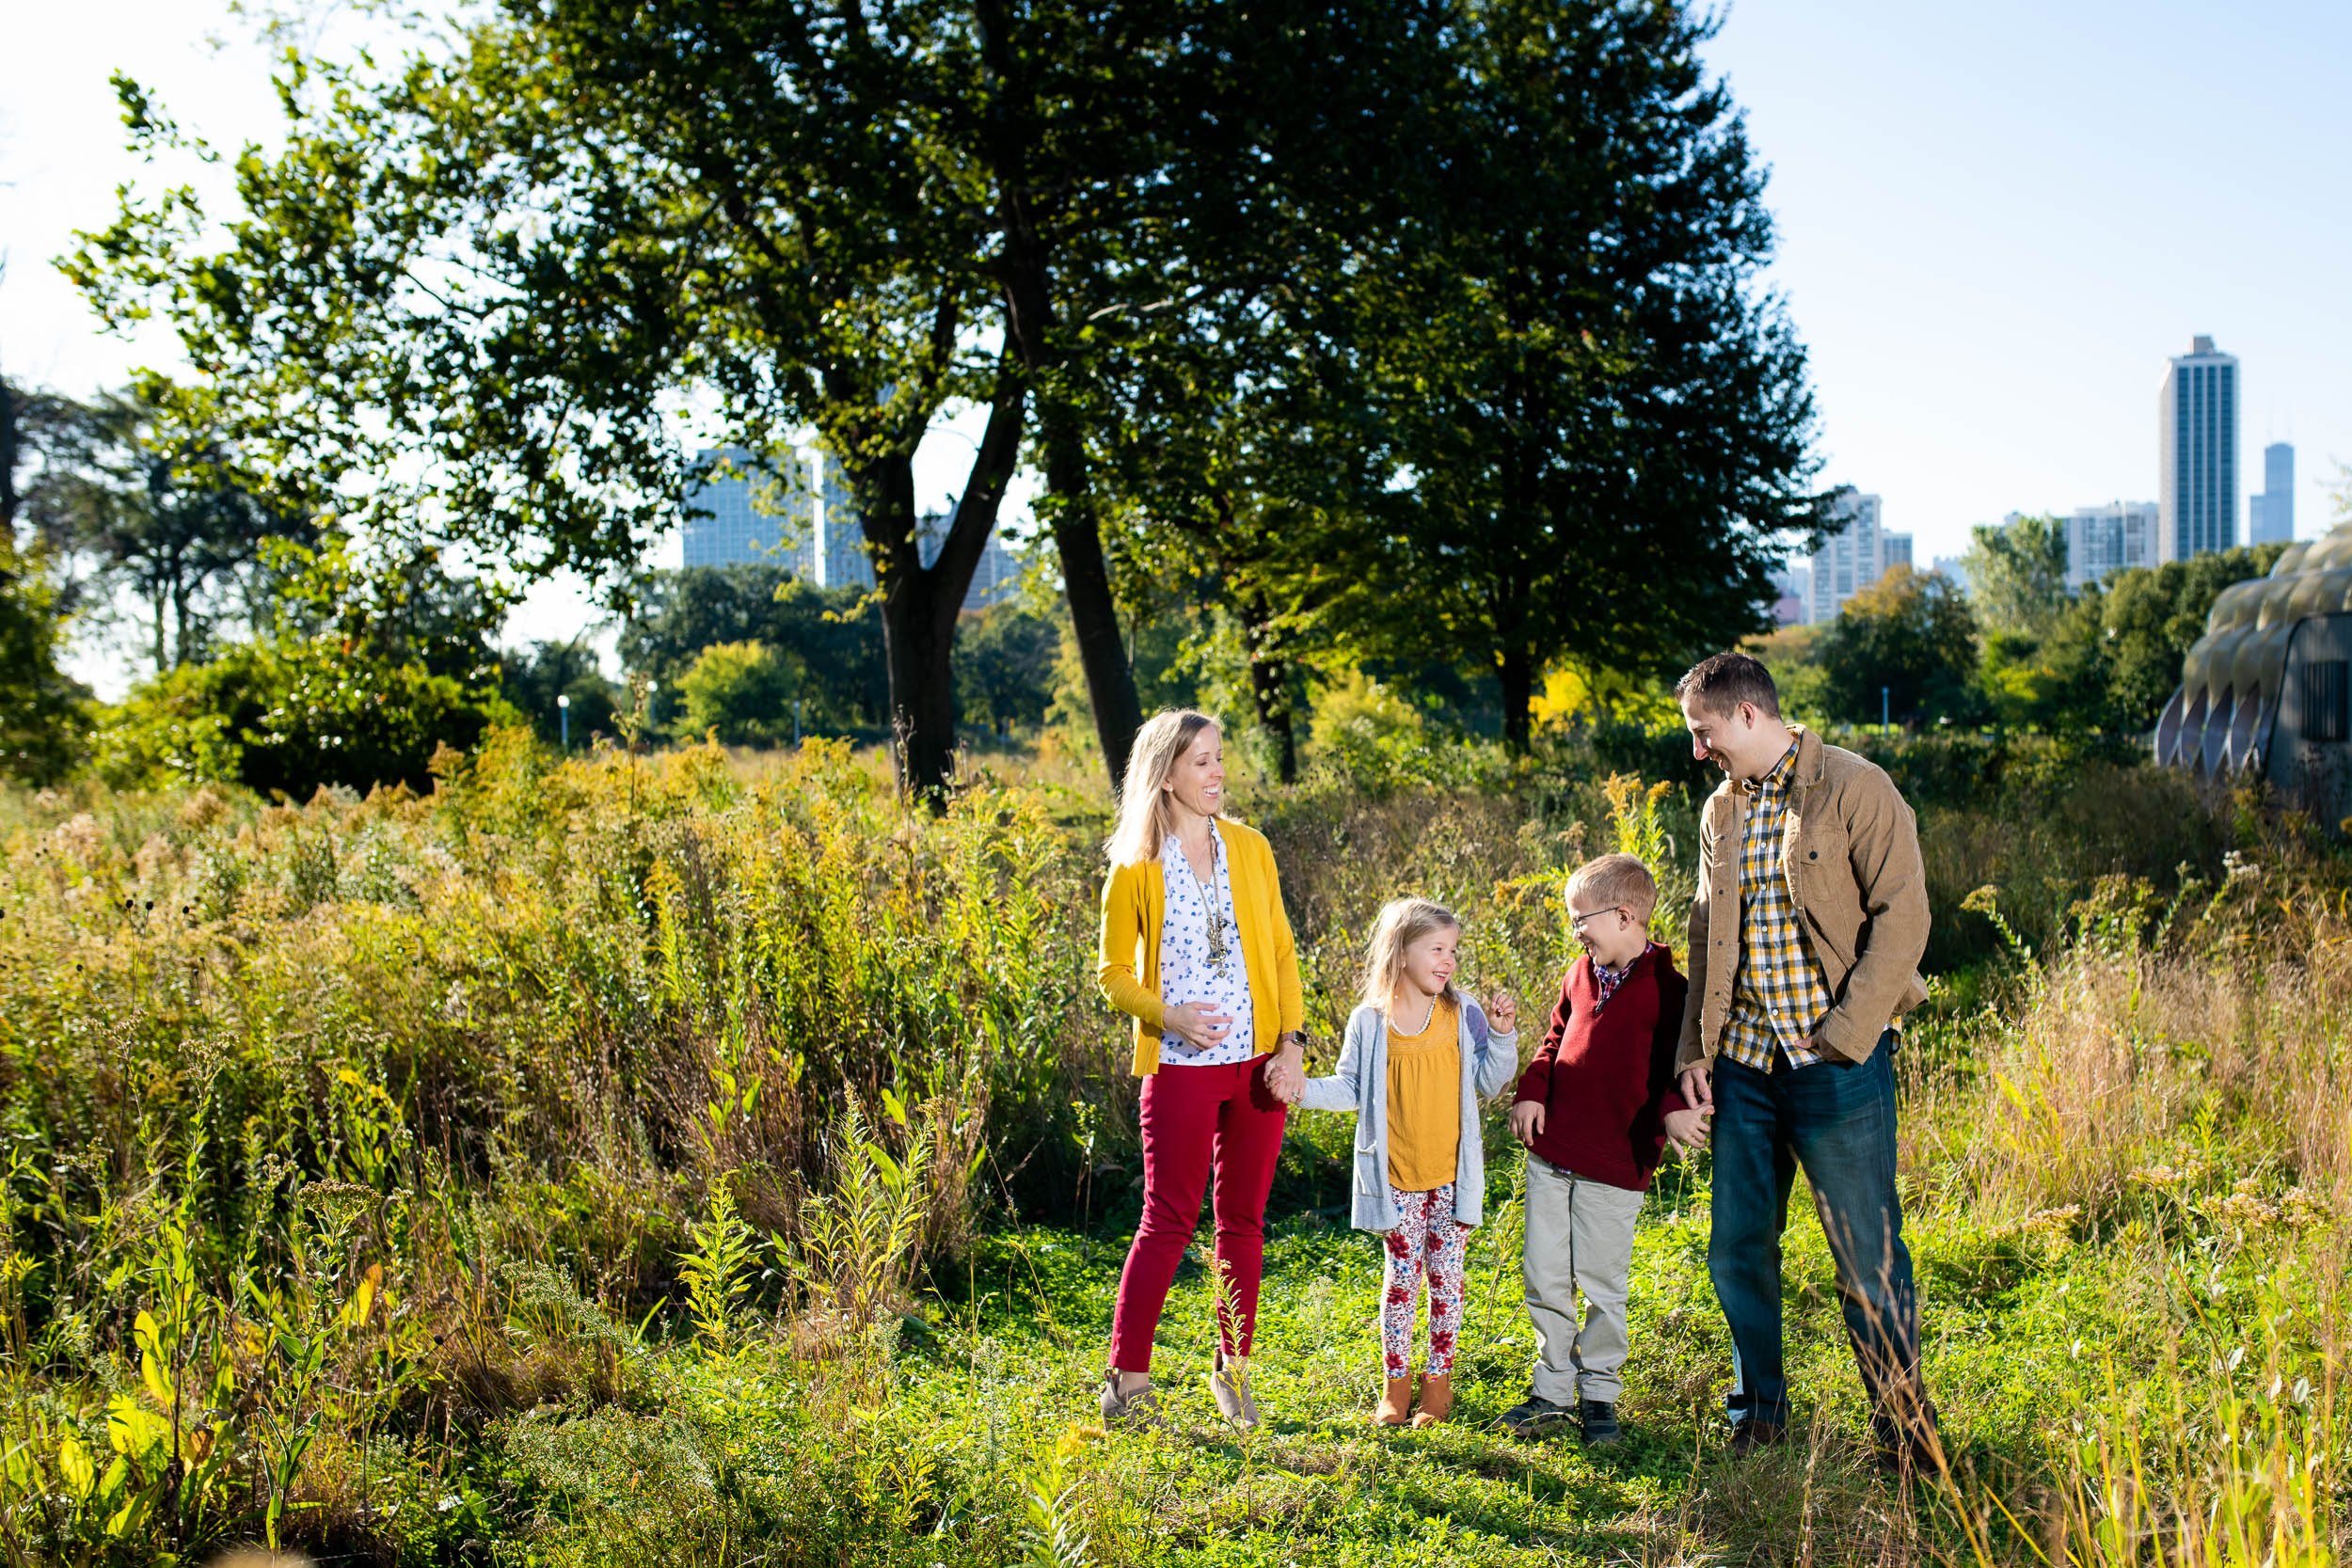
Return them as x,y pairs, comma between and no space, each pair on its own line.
1595,1109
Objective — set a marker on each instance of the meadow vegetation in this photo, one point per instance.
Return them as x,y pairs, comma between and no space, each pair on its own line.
710,1157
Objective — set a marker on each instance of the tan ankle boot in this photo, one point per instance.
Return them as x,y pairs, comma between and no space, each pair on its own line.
1437,1398
1394,1398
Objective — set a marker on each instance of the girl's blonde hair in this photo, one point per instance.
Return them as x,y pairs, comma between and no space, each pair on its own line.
1403,922
1145,817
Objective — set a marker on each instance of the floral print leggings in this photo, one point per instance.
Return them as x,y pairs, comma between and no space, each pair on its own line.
1427,1237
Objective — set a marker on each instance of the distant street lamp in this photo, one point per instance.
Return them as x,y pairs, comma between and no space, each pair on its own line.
651,687
564,716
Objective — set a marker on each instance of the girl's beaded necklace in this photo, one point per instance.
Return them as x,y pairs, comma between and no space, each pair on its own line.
1426,1019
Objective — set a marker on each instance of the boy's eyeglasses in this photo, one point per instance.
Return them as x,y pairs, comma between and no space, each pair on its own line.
1577,922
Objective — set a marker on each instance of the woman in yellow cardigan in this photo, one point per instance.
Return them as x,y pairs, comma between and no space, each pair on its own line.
1197,948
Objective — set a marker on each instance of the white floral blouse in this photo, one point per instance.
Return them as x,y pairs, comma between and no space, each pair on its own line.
1185,972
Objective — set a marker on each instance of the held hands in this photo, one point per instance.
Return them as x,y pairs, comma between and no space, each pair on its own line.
1502,1011
1689,1129
1286,1074
1527,1121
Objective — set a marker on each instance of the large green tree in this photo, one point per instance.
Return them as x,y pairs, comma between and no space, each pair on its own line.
39,704
1905,646
506,266
2016,574
1595,422
2117,651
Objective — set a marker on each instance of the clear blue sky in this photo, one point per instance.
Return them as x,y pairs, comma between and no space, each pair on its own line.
1997,222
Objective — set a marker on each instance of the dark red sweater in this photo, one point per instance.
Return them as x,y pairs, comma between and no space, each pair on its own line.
1605,1078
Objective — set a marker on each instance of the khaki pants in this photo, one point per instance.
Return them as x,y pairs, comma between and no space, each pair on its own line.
1580,1237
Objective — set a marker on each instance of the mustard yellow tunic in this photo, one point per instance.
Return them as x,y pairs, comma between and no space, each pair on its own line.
1425,1101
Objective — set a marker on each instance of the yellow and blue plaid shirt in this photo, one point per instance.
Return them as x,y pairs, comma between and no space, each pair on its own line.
1778,995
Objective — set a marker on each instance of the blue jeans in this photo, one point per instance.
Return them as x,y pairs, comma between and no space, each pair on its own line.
1836,1119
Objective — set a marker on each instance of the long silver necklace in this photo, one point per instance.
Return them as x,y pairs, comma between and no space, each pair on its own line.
1218,951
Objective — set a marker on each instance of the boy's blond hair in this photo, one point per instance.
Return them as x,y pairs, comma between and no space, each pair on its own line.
1621,882
1403,922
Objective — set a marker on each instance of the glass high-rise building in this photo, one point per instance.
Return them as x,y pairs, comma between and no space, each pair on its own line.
792,512
740,512
2197,477
2270,517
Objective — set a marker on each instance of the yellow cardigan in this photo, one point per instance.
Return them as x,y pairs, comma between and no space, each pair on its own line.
1128,966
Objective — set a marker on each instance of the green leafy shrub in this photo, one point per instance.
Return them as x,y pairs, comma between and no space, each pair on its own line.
290,716
741,693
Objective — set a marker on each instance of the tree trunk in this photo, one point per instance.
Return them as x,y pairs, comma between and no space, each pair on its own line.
920,605
1030,330
7,462
1516,671
1087,582
1269,685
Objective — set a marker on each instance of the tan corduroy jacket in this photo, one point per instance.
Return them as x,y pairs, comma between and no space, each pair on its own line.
1851,852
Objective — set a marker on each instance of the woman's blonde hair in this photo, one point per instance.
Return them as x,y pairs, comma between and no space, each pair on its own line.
1145,818
1403,922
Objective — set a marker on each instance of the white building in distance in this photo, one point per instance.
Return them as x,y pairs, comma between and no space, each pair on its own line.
2103,540
1853,556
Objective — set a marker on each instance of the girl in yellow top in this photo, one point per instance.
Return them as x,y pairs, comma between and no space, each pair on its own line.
1196,947
1418,1059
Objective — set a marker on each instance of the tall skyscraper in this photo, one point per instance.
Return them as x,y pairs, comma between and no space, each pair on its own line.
2102,540
1851,557
2197,421
2270,517
739,513
1894,551
792,512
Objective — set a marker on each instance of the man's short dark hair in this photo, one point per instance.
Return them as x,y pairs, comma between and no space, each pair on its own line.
1721,681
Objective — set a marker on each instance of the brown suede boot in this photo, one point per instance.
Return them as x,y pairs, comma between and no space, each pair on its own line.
1437,1398
1394,1398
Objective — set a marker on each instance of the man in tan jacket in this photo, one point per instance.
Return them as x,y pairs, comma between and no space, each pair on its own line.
1806,932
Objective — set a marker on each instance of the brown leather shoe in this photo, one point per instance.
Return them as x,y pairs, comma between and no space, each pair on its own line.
1394,1397
1232,1391
1136,1407
1437,1398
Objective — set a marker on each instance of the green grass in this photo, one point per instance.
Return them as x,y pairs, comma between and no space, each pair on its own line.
695,1160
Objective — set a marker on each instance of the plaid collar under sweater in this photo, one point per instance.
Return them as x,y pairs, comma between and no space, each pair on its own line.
1606,980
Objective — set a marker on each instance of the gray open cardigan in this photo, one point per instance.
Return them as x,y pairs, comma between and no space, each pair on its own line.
1360,1083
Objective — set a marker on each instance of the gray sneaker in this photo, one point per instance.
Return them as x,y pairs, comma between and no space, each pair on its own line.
1138,1407
1534,1416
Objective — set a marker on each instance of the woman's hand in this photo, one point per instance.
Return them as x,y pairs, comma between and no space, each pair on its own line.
1195,1023
1285,1083
1286,1075
1502,1011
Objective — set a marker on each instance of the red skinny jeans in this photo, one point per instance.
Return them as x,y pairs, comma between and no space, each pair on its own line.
1193,1117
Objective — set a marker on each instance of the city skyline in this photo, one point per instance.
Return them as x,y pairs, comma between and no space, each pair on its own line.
744,513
